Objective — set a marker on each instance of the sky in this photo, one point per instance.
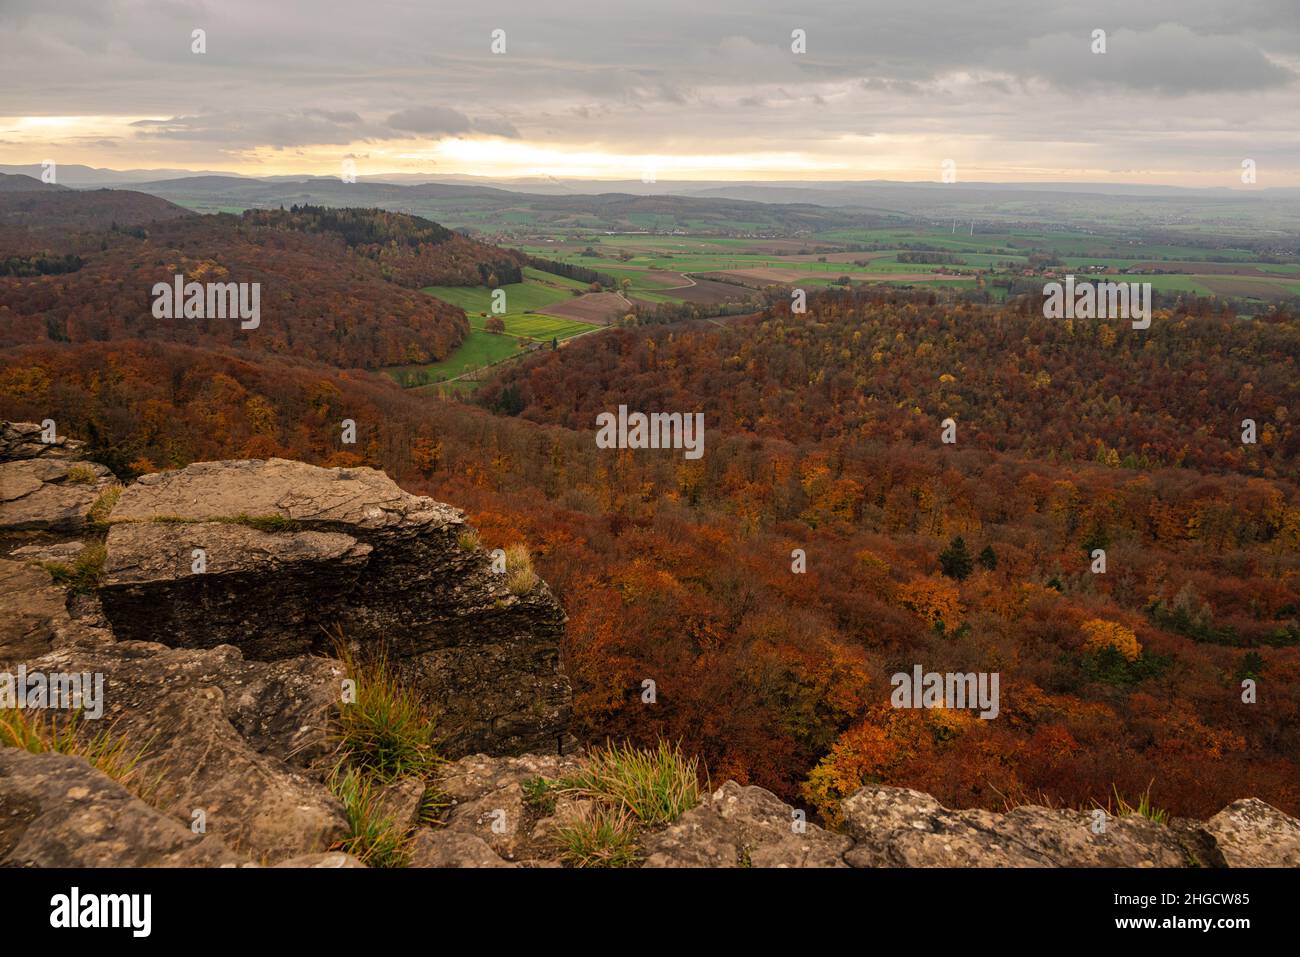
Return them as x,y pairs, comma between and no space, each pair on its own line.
1007,90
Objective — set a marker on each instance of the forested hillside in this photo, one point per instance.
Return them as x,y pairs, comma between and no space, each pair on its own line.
335,287
410,251
52,210
823,434
891,366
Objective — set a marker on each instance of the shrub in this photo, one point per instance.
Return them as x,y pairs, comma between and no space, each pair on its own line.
539,794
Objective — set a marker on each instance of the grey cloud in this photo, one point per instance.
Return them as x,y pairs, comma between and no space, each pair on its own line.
436,121
430,121
262,128
628,75
495,127
1169,60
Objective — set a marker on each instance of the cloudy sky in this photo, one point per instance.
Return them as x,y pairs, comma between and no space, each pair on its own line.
1009,90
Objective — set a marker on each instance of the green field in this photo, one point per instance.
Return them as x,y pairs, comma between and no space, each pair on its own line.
651,262
479,349
523,324
521,297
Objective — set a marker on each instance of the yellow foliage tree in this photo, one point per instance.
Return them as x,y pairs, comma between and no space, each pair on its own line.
933,599
1110,634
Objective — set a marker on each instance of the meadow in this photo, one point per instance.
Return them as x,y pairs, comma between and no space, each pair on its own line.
524,324
655,264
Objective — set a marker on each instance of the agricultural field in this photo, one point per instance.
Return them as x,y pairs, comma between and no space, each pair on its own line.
649,269
527,322
658,266
480,349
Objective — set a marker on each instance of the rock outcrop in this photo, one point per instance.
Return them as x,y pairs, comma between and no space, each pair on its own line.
897,827
45,486
230,741
491,823
26,440
1250,833
274,557
58,811
33,613
745,827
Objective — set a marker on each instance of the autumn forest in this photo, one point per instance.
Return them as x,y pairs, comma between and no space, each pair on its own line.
823,440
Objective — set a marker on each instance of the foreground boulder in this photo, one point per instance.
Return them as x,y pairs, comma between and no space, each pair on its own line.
50,493
276,557
1250,833
58,811
745,827
898,827
33,613
488,820
234,743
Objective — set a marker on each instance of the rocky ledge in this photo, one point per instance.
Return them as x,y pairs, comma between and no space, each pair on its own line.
279,559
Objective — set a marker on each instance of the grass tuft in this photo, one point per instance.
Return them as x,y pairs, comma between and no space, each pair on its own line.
520,577
656,786
376,839
80,474
1143,808
468,540
388,732
600,836
265,523
83,575
97,517
104,751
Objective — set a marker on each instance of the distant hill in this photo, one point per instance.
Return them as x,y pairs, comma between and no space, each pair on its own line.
84,177
336,286
18,183
411,251
488,208
48,208
758,208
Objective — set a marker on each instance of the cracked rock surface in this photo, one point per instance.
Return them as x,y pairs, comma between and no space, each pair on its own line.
291,554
